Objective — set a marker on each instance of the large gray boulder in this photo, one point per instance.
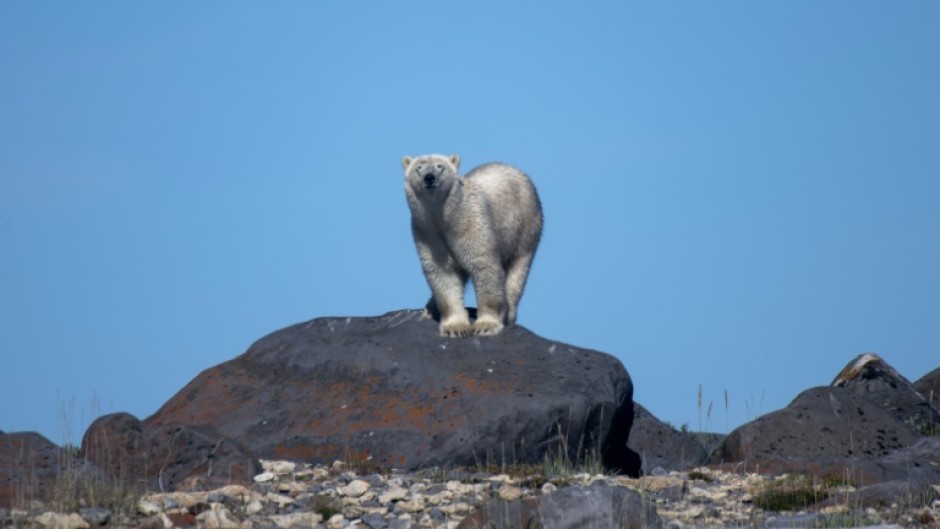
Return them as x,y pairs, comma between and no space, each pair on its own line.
929,387
165,458
389,390
31,468
827,422
593,507
870,376
662,446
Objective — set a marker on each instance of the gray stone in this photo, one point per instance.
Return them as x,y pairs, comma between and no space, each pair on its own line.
30,464
391,391
826,422
662,446
594,507
870,376
374,521
95,516
929,387
165,457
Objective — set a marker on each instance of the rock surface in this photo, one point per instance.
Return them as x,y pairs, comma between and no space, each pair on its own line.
827,422
662,446
595,506
290,495
870,376
165,457
929,387
30,466
391,391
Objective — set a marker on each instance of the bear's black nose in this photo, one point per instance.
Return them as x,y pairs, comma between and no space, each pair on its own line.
429,180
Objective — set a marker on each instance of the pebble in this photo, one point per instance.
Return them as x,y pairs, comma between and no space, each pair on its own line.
55,520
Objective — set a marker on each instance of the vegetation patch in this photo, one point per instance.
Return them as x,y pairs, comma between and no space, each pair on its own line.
792,493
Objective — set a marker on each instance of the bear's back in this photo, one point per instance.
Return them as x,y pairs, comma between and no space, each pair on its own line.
512,204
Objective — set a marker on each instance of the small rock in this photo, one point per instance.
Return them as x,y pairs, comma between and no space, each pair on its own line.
393,494
278,468
509,493
217,497
95,516
355,488
374,521
296,519
55,520
549,488
264,477
336,521
456,508
154,522
148,507
291,487
218,517
280,499
416,504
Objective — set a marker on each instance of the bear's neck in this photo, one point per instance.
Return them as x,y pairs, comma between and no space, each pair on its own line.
451,198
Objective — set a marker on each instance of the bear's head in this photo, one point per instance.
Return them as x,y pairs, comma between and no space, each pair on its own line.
430,171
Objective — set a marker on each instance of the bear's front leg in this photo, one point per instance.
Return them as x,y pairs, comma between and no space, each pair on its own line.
448,291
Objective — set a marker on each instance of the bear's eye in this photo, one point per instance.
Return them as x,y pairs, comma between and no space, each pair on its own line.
440,167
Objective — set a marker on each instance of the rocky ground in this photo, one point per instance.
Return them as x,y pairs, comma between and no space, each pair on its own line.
388,392
290,495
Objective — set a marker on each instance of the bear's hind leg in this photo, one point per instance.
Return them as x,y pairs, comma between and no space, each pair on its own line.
491,298
515,283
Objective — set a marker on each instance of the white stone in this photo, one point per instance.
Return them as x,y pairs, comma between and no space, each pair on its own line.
416,504
356,488
549,488
509,493
218,517
149,507
291,486
55,520
264,477
336,521
296,519
280,468
433,500
280,499
393,494
458,507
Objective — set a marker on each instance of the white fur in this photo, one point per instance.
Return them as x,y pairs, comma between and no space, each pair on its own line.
485,226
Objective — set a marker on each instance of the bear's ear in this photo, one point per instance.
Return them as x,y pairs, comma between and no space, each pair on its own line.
405,162
455,159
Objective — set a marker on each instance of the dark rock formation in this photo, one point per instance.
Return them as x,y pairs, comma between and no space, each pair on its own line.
595,507
390,390
165,457
914,467
870,376
660,445
929,387
830,422
31,466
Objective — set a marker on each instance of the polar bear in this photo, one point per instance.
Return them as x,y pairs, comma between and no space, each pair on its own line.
484,226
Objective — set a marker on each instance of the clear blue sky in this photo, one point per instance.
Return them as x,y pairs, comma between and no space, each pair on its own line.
742,195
